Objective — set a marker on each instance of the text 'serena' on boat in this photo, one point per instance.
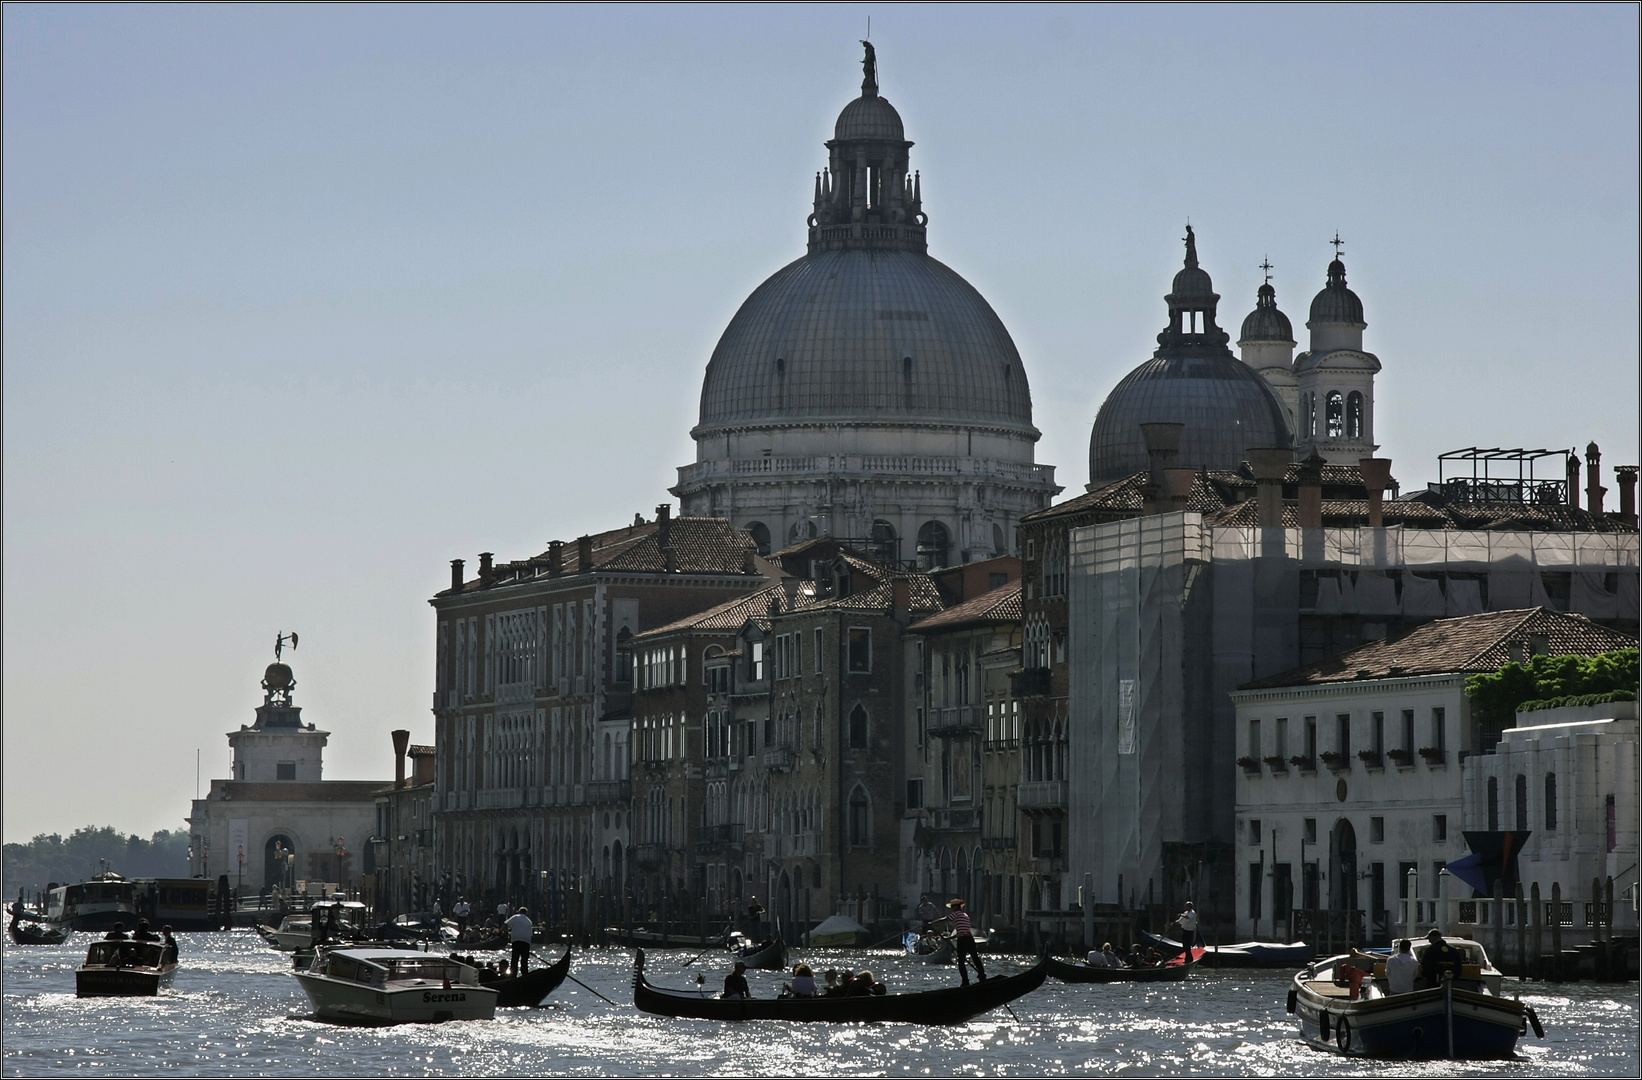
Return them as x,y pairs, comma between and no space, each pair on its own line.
124,969
1341,1007
952,1005
390,986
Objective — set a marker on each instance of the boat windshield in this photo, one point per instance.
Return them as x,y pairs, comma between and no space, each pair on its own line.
123,954
430,968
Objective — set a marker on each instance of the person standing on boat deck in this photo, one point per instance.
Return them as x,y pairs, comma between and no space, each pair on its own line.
461,912
735,983
755,919
522,928
1401,968
926,911
1440,959
1188,925
964,941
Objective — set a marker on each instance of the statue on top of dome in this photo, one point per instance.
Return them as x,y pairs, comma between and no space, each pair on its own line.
1191,246
279,643
869,70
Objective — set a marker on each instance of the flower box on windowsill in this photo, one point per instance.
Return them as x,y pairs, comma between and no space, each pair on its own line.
1304,764
1371,760
1336,762
1278,764
1249,764
1401,758
1433,755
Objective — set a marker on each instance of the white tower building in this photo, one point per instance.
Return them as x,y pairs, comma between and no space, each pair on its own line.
1335,378
1266,344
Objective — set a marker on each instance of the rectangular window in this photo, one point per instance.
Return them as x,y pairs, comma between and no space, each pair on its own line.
1254,739
1254,830
1379,734
1404,871
1255,881
1311,739
1376,830
818,670
860,658
285,770
1439,828
920,727
1439,730
1408,733
755,657
1283,738
1342,735
915,794
1550,802
1309,831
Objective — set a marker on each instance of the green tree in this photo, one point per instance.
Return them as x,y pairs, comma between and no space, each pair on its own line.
1496,696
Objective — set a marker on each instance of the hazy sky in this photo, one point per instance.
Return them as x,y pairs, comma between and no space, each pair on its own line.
301,303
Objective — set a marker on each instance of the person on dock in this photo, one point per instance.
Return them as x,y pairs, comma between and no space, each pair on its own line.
522,928
735,983
964,940
1401,968
117,934
1440,959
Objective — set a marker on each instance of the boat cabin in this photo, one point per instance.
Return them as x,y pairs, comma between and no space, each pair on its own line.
380,967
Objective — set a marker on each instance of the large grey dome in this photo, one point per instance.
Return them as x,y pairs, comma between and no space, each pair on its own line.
866,334
1226,407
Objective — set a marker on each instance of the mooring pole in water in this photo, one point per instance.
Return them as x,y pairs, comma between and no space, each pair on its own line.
1448,1007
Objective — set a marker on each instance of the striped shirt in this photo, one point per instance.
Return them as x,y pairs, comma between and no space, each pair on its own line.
960,923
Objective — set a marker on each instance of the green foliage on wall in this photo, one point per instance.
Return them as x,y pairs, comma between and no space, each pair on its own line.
1496,697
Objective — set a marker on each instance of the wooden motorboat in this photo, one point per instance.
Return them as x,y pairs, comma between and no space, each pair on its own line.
952,1005
1244,954
124,969
771,956
930,948
1462,1018
34,933
1173,971
522,991
390,986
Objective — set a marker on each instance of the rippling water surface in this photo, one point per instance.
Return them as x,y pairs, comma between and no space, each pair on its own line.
236,1009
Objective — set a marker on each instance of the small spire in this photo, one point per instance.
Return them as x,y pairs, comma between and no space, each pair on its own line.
818,189
1266,266
1191,247
917,189
1338,244
869,69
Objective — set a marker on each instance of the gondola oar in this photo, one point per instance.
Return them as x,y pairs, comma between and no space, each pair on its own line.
707,950
590,990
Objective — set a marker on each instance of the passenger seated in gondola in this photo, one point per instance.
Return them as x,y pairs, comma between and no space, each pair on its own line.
735,983
143,933
832,982
1135,958
863,985
803,983
1154,958
1105,957
117,934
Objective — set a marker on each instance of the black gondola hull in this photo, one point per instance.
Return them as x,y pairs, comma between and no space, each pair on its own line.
1083,973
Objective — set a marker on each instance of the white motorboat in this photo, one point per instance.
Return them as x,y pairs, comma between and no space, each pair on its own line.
295,932
391,986
339,920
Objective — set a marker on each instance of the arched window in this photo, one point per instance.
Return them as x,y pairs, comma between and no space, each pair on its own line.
760,533
1493,804
1354,415
1336,414
932,545
886,546
999,547
1550,802
1522,803
858,728
860,817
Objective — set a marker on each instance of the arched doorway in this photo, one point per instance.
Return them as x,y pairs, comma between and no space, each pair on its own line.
274,864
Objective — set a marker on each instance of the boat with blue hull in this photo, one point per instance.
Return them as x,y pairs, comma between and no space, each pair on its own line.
1344,1008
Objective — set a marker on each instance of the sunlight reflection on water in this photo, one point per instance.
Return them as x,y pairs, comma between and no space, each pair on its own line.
235,1009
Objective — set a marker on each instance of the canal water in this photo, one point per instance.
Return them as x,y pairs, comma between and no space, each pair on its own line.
235,1009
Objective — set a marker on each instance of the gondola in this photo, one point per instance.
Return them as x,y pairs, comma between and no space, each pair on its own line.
930,948
28,933
1245,954
1083,973
772,956
522,991
952,1005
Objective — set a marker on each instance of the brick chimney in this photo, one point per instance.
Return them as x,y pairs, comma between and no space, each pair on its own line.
1162,446
1626,475
749,560
1177,488
1310,506
1270,465
456,575
555,558
900,591
1376,477
664,537
1593,479
401,743
1573,480
486,573
584,554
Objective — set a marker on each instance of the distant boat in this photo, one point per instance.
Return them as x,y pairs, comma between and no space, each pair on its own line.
1463,1018
33,933
838,932
771,956
387,986
124,969
1172,971
930,948
1245,954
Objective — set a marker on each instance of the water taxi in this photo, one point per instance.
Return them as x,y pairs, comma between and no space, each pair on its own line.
391,986
124,969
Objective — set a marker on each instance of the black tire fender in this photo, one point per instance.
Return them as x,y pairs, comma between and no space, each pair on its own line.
1322,1024
1342,1033
1294,1000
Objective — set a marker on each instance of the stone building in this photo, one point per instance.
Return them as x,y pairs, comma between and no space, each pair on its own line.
276,820
533,696
866,390
1350,772
405,874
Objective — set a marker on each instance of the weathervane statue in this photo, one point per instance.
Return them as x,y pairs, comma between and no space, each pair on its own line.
279,643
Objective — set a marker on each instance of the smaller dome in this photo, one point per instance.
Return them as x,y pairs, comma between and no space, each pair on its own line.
1336,303
869,117
1191,282
278,676
1266,322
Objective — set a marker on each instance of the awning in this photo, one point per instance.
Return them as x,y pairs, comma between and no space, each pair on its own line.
1493,858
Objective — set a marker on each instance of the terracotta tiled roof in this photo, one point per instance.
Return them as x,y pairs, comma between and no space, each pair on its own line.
1468,644
420,750
1001,605
1339,513
729,616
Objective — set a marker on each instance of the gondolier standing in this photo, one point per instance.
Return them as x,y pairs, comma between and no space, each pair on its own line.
521,928
964,941
1188,927
926,911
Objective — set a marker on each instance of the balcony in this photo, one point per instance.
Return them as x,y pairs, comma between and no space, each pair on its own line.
716,836
955,820
1029,682
1042,795
610,791
961,720
649,856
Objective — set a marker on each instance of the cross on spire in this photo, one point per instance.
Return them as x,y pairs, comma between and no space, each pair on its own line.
1338,243
1266,266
